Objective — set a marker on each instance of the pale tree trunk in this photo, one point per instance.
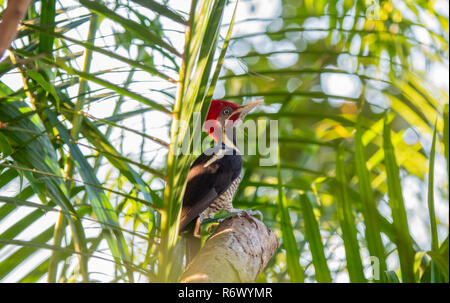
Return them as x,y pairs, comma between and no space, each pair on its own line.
237,251
11,18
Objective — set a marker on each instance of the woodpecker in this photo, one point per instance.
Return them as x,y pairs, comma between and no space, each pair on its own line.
215,175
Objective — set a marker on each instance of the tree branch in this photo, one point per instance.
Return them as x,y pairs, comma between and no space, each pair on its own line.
12,16
238,251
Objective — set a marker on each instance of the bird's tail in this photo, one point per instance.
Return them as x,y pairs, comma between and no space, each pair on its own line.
193,245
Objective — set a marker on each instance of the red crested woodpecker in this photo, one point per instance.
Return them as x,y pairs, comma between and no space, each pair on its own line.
215,175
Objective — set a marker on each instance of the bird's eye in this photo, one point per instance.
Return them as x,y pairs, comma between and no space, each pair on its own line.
226,111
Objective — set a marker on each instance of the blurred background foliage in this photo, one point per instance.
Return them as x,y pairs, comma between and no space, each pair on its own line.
90,187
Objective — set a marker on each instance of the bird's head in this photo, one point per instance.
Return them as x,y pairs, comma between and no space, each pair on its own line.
222,114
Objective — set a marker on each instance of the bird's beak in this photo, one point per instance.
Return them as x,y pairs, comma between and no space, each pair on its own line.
245,109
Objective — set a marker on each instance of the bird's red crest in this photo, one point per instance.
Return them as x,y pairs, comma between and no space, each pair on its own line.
214,111
217,106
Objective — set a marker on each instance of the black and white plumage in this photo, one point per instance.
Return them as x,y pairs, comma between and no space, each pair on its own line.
211,185
212,182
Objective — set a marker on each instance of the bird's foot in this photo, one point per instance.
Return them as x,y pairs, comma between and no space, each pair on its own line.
248,212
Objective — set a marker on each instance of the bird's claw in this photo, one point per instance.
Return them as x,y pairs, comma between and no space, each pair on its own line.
238,212
256,213
249,213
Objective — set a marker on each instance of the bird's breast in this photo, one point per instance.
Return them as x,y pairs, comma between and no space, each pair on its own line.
224,201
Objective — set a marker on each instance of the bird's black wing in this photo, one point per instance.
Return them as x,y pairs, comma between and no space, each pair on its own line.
206,181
